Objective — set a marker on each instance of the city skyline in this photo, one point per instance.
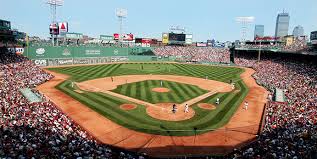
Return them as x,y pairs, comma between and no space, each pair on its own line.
259,31
298,31
204,19
282,24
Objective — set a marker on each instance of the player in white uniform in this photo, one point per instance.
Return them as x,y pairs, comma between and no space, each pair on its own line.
186,108
218,101
246,104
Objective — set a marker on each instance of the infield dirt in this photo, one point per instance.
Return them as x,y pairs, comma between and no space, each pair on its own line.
160,90
128,106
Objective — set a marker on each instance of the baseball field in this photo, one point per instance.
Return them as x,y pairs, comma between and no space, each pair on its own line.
139,96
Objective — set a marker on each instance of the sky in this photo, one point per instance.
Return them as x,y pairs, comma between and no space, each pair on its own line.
205,19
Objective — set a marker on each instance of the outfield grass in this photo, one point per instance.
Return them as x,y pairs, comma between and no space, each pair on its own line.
137,119
83,73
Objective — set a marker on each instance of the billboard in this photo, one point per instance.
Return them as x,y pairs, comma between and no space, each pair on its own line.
17,50
74,36
63,27
144,42
106,37
201,44
40,62
54,29
165,38
189,39
209,42
116,36
125,37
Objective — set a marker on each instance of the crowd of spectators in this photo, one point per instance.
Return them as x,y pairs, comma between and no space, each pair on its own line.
291,128
296,46
197,54
40,129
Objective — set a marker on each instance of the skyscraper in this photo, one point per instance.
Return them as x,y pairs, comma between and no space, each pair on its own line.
259,31
298,31
282,24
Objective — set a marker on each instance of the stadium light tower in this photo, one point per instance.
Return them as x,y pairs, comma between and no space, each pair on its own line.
53,6
121,14
245,22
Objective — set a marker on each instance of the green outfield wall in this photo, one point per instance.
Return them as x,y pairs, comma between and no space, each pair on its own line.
73,55
47,52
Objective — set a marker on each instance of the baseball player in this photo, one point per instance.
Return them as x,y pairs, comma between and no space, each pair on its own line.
232,85
246,104
186,108
72,84
218,101
174,108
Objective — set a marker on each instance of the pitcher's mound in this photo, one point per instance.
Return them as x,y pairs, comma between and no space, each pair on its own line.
160,90
163,111
128,106
206,106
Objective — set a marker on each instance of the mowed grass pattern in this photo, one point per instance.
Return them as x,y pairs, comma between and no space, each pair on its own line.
83,73
137,119
178,93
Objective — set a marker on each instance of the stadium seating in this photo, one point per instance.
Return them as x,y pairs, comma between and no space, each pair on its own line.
197,54
40,129
290,129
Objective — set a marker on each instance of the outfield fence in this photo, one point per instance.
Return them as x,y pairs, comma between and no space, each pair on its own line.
75,55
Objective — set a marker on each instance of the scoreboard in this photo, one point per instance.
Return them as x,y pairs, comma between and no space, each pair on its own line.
175,38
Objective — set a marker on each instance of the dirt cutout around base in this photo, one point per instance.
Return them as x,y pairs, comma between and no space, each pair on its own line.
128,106
163,111
161,90
206,106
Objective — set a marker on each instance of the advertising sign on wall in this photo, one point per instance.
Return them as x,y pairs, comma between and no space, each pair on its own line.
41,62
116,36
54,29
127,37
63,27
165,38
201,44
